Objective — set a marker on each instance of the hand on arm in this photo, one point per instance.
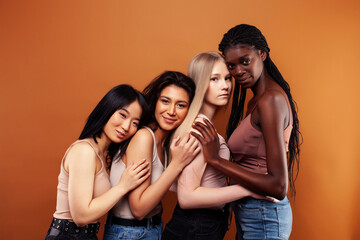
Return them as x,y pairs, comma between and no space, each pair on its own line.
271,116
145,198
81,165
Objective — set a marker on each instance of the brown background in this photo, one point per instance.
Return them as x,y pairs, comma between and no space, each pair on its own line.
58,58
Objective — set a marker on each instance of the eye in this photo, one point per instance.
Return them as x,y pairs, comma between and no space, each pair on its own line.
122,115
135,124
181,105
164,100
230,66
246,61
228,78
213,79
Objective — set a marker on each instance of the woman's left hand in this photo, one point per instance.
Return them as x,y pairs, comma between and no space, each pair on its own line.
209,139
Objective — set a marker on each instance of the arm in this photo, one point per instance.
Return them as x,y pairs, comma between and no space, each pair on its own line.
272,110
81,166
191,195
145,197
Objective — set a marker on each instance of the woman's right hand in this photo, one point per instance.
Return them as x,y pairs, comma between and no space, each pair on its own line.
258,196
185,151
134,175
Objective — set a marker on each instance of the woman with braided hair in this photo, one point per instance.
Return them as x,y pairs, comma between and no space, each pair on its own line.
265,145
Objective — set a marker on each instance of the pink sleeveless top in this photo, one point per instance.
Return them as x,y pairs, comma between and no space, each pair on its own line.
101,184
247,145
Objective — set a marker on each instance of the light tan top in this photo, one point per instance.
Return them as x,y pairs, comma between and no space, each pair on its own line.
122,208
101,184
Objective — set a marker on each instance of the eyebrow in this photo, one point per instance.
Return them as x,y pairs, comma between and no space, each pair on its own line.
170,99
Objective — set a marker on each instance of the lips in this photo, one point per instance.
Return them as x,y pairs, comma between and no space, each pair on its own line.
169,120
225,95
119,134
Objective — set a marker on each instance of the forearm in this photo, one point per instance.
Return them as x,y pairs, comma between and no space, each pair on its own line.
203,197
142,204
85,213
265,184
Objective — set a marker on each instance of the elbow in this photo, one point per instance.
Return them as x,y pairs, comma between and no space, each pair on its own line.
80,221
280,191
138,214
185,202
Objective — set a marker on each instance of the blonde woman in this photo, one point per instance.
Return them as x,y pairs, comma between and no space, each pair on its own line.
201,189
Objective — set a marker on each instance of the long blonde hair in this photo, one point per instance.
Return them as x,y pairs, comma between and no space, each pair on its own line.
200,69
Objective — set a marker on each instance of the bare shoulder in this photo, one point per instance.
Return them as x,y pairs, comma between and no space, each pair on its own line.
272,100
80,153
140,146
142,136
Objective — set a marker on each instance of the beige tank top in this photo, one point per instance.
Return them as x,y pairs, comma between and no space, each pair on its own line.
101,184
122,208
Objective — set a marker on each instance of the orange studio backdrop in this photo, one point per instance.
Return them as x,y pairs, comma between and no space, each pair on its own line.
58,58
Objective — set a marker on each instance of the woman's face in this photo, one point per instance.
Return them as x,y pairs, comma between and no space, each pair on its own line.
171,107
218,92
123,123
245,64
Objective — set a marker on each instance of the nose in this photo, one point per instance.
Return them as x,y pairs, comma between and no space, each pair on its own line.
239,71
126,125
171,110
224,85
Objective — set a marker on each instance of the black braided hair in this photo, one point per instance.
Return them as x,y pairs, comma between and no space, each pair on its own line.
247,34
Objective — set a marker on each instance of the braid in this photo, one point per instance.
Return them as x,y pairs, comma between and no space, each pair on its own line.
247,34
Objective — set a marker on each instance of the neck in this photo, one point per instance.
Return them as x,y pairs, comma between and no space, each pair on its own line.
262,84
160,136
208,110
103,143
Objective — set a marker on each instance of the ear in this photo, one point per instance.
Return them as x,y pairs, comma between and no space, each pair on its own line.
262,55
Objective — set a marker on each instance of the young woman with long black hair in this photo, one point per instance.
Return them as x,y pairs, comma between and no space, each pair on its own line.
84,193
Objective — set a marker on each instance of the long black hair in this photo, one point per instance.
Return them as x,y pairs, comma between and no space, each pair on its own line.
247,34
117,98
153,90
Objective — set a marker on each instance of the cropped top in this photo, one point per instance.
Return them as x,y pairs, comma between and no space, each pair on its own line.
247,145
122,207
101,184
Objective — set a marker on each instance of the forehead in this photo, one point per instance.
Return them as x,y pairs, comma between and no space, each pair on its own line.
238,51
134,109
220,68
175,93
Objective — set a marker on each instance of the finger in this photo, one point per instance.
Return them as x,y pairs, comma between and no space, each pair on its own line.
211,127
197,151
203,129
138,164
185,139
143,172
192,141
143,178
175,141
198,137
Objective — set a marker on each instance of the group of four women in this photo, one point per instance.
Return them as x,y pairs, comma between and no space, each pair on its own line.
163,139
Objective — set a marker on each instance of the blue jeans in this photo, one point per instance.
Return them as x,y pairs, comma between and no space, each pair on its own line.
116,232
262,219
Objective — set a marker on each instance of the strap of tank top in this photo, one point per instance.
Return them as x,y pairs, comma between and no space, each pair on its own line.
288,103
155,148
90,143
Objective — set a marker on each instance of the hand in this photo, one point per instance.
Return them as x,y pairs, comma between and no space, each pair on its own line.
209,139
134,175
185,151
258,196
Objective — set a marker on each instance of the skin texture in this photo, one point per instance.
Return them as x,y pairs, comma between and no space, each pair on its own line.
171,110
82,164
270,114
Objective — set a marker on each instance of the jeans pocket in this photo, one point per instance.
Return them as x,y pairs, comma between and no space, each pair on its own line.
284,215
169,234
